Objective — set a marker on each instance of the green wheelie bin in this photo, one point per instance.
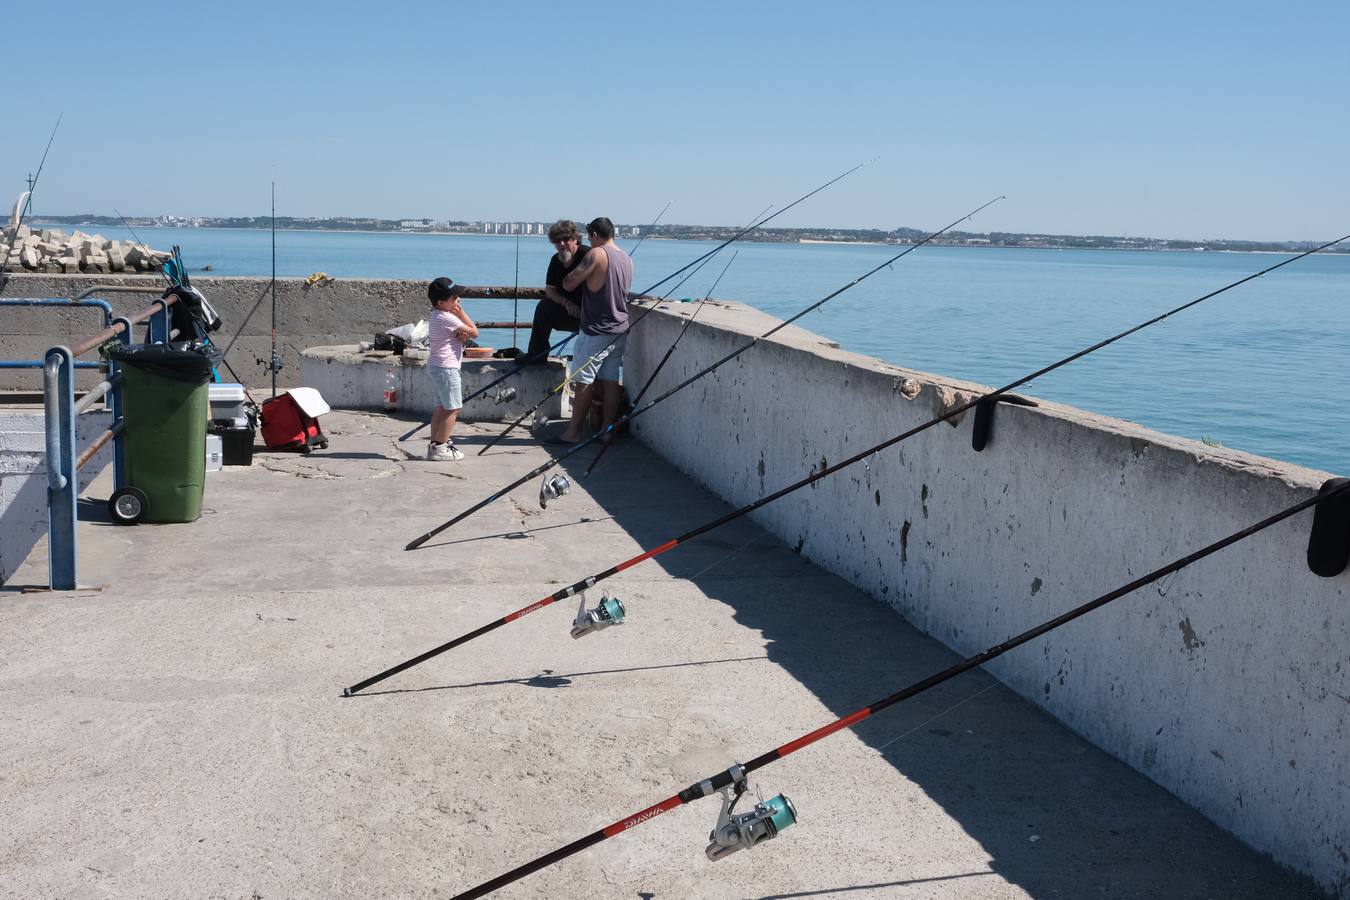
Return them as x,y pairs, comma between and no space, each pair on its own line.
165,408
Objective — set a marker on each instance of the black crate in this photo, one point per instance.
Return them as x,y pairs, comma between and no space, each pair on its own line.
236,445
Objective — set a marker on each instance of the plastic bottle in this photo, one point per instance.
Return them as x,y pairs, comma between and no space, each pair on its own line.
390,389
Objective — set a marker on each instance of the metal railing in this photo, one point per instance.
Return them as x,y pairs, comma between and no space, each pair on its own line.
61,411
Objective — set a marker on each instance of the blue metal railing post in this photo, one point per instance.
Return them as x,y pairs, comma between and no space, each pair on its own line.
158,324
58,388
115,407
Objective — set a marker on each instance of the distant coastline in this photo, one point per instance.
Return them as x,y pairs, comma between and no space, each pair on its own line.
876,237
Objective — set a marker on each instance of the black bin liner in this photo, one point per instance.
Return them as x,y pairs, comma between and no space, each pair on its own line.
188,363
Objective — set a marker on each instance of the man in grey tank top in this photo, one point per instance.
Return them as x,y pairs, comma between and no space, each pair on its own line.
605,276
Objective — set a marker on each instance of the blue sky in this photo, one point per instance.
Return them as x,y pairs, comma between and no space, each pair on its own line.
1183,120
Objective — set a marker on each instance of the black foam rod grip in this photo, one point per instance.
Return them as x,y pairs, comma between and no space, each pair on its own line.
1329,543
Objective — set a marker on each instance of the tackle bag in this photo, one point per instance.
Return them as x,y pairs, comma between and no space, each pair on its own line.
291,421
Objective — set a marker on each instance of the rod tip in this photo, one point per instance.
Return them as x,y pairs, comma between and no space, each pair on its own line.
346,692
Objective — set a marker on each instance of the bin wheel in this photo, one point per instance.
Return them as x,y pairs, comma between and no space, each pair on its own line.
128,505
323,444
306,449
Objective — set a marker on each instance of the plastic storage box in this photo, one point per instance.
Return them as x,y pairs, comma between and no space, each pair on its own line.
227,401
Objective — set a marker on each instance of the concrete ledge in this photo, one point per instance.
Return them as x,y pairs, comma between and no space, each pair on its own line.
352,379
1228,687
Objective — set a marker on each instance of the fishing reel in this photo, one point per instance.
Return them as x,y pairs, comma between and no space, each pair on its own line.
553,488
504,394
608,612
743,831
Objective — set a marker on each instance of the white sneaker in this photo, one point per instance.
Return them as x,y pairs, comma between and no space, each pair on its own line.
443,452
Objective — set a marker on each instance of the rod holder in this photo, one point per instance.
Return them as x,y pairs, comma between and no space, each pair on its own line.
983,428
1329,542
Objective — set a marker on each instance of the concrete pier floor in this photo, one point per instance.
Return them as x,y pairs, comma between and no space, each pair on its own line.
179,731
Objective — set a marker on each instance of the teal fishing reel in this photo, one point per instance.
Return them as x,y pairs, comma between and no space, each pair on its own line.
608,612
743,831
552,489
504,394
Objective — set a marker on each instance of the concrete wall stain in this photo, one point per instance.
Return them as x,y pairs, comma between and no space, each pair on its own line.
1188,637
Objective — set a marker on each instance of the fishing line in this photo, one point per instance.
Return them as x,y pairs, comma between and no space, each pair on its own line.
784,815
688,381
643,236
587,583
735,237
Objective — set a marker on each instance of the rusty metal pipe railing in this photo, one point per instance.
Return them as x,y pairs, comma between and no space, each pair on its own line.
119,289
96,394
97,444
117,328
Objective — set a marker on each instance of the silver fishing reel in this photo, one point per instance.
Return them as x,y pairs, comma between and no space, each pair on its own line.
743,831
504,394
608,612
552,489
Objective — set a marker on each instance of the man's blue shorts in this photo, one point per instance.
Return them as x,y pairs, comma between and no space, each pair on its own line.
606,366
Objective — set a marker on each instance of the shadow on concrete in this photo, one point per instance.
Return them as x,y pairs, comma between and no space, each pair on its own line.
1058,817
548,679
325,454
520,534
873,887
93,509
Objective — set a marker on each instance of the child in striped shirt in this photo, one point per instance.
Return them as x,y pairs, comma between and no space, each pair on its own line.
448,327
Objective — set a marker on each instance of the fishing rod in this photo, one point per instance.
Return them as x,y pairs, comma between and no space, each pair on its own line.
274,365
580,587
502,395
648,231
515,299
606,444
735,237
543,354
734,832
28,200
506,394
576,370
564,485
177,261
140,243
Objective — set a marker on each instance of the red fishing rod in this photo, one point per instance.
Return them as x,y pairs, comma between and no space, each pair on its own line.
749,228
610,611
735,832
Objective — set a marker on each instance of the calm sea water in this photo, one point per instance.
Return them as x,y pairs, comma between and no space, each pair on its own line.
1262,368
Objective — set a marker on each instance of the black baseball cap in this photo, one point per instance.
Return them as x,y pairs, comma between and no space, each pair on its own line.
443,289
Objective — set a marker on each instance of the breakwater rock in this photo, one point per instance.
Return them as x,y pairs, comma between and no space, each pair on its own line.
52,251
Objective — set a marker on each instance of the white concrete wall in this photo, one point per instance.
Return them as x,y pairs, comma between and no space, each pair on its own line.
351,380
1232,690
23,479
